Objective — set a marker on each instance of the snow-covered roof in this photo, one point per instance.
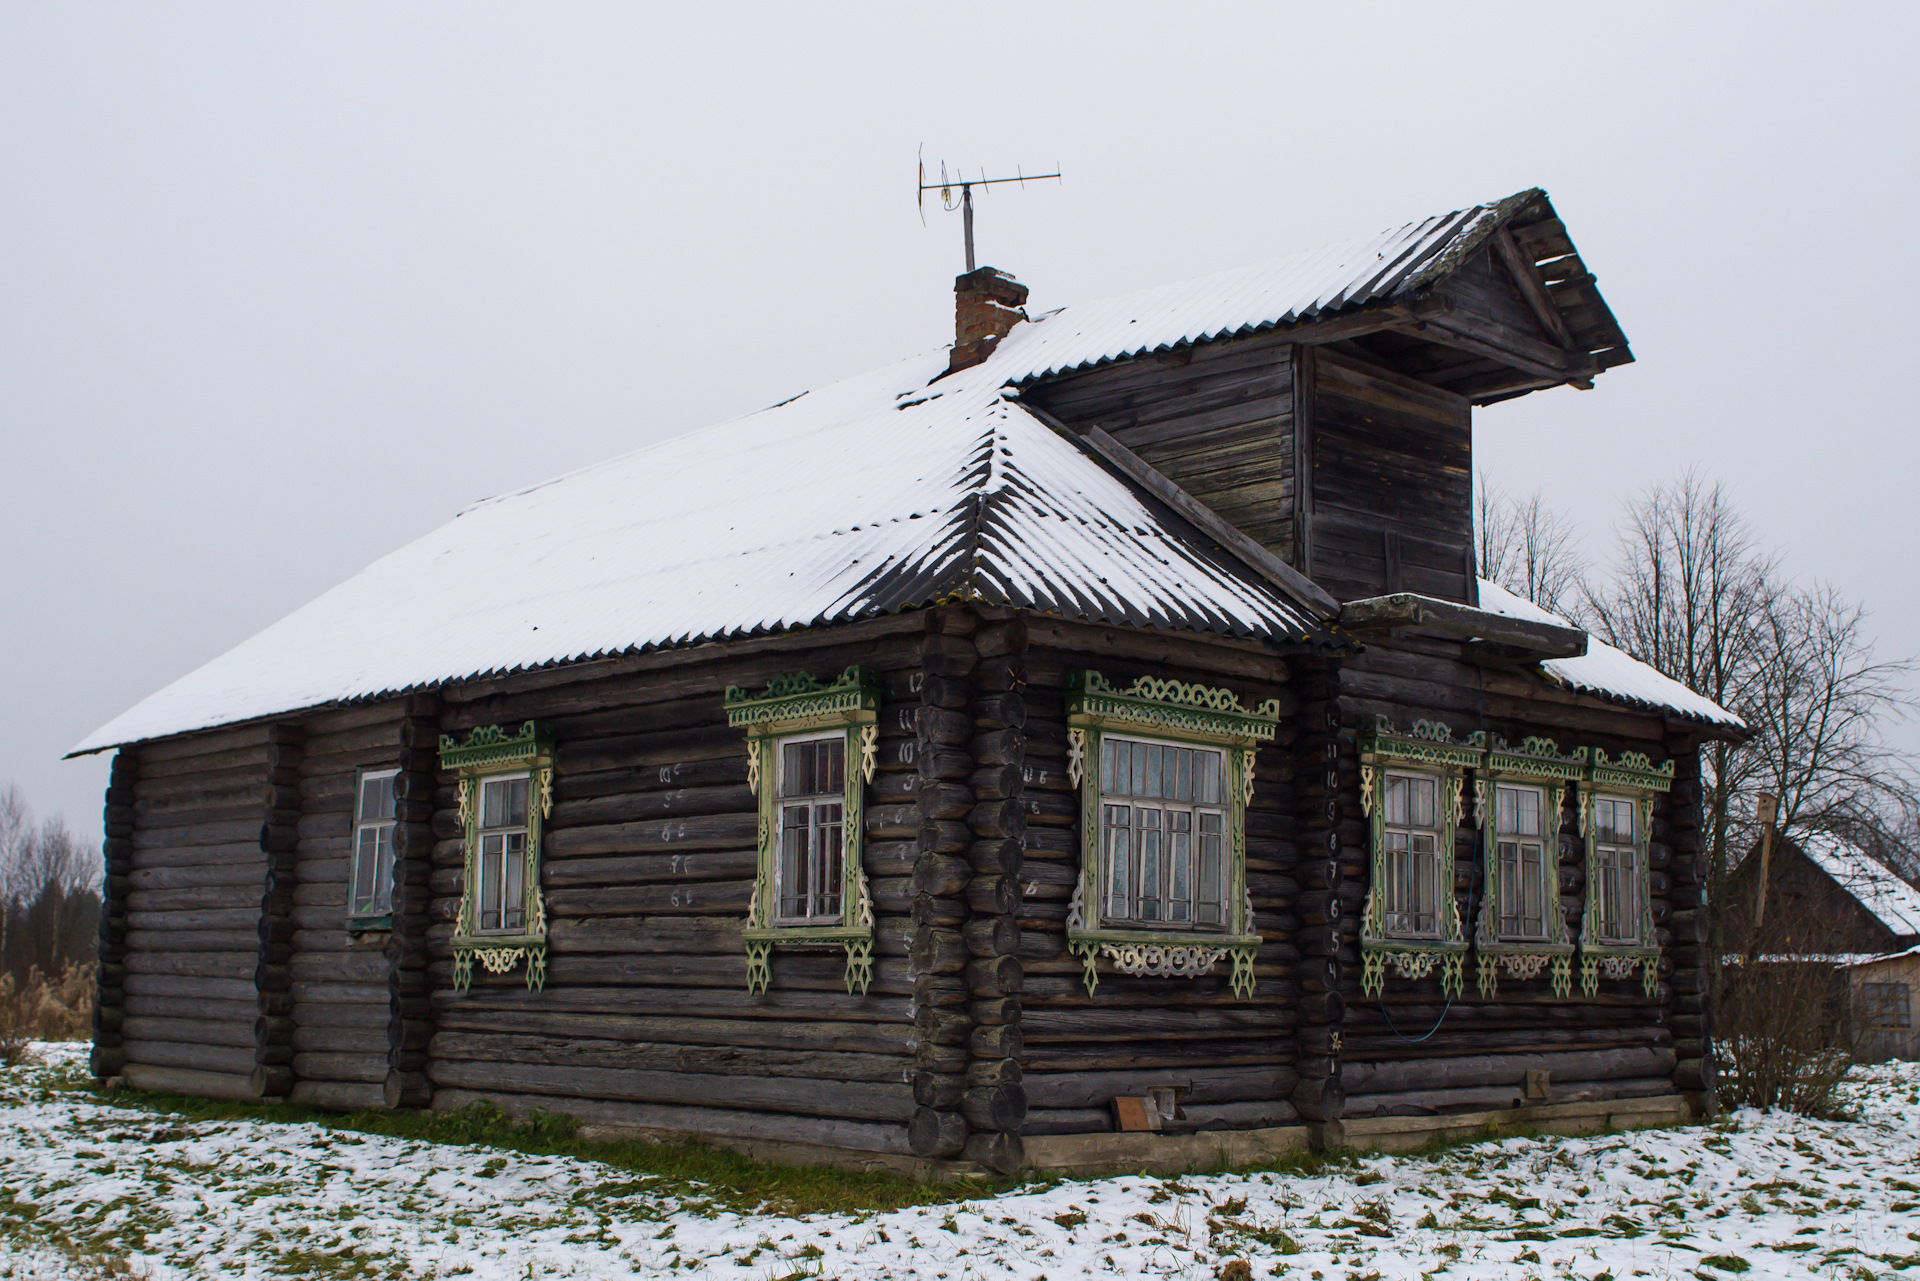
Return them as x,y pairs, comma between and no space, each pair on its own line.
879,493
1242,300
1609,672
1892,901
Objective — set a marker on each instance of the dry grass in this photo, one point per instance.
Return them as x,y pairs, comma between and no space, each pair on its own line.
45,1009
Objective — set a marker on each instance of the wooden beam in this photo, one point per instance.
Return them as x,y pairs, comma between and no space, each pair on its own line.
1533,289
1471,334
1296,585
1445,618
1305,365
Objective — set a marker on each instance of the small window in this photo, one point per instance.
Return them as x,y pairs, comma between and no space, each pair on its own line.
810,883
1887,1006
1163,835
1616,853
1411,844
372,865
502,865
1521,844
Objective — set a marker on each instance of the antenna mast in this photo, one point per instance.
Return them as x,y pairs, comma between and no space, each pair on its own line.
965,204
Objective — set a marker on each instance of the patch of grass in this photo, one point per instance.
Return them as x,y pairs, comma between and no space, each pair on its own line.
1726,1262
717,1175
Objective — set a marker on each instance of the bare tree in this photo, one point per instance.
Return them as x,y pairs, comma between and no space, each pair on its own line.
1817,705
49,893
1527,548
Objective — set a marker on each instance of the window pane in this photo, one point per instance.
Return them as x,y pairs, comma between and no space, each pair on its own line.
1533,901
1424,805
363,868
1183,785
833,767
1397,802
1211,909
491,855
1156,758
1119,866
383,868
1112,756
1146,826
1137,785
794,837
1180,860
513,905
493,804
829,836
1425,876
1212,787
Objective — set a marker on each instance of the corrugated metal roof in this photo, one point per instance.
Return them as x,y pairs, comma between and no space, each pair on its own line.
876,494
1873,885
1285,291
1610,672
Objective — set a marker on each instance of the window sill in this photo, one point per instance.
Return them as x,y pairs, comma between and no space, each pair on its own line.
1182,954
1412,959
856,939
369,924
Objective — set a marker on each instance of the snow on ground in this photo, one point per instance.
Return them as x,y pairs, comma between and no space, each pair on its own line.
1763,1195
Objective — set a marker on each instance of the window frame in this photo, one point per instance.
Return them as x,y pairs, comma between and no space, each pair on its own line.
1429,751
813,801
1165,871
1635,779
1536,764
1897,999
799,708
1165,713
378,913
492,753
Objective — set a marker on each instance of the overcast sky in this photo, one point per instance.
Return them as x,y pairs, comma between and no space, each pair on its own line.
283,287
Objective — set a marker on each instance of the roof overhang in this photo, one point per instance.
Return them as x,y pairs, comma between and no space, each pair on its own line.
1492,635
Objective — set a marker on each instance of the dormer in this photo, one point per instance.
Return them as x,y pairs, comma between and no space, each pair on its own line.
1323,404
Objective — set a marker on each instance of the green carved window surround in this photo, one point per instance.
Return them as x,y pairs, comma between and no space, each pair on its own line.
506,794
1397,768
1186,797
1501,938
1635,781
787,725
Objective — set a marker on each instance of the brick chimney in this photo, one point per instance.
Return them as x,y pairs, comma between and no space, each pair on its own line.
986,305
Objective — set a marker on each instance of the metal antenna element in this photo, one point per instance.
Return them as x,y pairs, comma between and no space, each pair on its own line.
965,204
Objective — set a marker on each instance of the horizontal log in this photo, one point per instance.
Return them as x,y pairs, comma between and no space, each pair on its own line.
341,1040
688,935
689,833
196,1082
234,988
337,1096
936,1134
853,1100
364,1068
706,1123
1504,1069
201,1031
212,965
251,874
1044,1025
191,1007
237,1060
773,1057
710,866
883,1006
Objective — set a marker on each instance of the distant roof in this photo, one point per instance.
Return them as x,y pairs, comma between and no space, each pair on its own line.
872,495
1390,266
1892,901
1609,672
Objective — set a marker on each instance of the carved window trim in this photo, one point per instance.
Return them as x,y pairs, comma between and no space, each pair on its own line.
1181,714
1428,748
798,706
488,752
1536,762
1635,778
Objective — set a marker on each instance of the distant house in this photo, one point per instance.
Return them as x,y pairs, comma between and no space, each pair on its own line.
1097,723
1829,902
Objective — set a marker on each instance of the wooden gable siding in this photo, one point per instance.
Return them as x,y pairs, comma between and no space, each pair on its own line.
1234,1057
1807,913
1392,467
192,912
1621,1043
1216,419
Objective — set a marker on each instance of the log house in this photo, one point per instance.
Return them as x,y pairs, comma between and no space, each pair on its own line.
948,764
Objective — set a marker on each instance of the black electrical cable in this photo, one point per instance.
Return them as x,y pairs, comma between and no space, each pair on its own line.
1448,1007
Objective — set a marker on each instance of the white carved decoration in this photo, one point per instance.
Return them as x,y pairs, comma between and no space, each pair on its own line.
753,766
869,750
1366,789
1524,967
1076,755
1620,967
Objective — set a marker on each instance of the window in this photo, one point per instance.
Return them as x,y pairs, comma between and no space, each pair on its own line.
1617,938
1163,833
1411,839
1521,849
506,793
1410,788
1616,889
1165,771
812,830
1887,1006
811,749
502,873
371,876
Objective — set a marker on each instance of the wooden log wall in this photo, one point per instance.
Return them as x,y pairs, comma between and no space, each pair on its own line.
1217,419
110,997
409,1010
195,874
1679,852
338,981
1234,1058
1392,477
1410,1051
645,1020
273,1029
1327,785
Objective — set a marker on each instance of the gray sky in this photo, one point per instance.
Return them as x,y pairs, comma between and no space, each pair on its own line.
284,287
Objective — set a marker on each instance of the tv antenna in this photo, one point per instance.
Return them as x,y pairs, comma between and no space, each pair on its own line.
965,204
